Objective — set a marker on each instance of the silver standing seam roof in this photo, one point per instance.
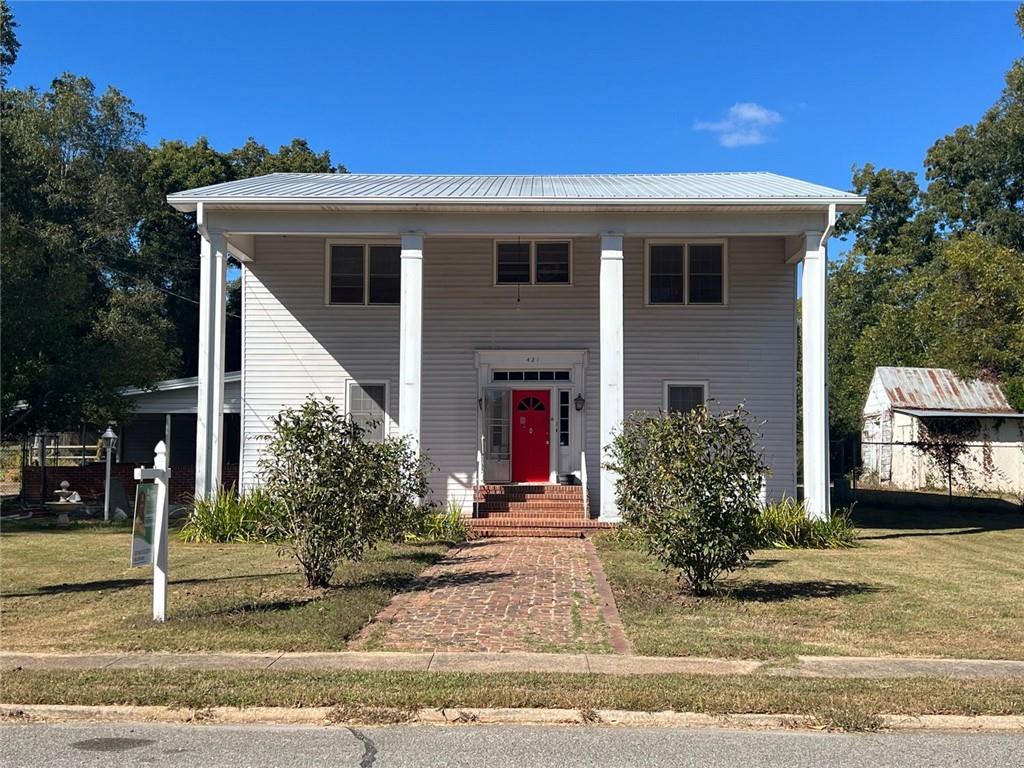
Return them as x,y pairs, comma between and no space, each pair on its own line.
939,391
669,188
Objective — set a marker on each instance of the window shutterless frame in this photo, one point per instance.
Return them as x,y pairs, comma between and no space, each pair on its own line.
365,244
685,244
673,383
349,383
532,243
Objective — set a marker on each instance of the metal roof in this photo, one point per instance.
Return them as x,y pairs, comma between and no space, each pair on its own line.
966,414
939,390
677,188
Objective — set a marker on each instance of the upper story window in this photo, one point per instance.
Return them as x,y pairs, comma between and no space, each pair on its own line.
683,397
364,273
365,406
526,262
686,273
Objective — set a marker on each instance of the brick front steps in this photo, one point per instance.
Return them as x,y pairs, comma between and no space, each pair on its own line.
550,511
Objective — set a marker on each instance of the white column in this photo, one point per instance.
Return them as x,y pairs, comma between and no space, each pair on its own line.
611,364
212,319
411,338
815,376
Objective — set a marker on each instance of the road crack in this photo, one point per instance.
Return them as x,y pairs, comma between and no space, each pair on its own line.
369,748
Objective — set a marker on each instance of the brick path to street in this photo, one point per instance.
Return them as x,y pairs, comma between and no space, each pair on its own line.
504,594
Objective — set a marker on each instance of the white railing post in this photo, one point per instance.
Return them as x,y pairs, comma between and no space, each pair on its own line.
160,474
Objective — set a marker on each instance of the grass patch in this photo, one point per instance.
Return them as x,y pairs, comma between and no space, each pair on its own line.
928,583
70,589
845,703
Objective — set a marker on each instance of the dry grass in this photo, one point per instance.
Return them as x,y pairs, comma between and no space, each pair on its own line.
848,703
72,590
920,584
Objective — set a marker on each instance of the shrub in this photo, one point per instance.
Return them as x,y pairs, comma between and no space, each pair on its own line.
229,516
336,494
449,525
689,485
785,525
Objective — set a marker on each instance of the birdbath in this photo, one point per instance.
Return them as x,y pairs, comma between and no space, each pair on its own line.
67,502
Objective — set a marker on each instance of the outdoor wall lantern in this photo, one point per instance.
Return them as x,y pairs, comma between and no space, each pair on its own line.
109,441
579,402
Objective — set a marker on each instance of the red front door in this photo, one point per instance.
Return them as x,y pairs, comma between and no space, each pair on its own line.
531,435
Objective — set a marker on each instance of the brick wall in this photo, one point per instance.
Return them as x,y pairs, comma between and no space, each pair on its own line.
88,480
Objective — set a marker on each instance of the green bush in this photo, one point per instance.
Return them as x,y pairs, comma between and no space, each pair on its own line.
449,525
785,525
229,516
689,485
335,493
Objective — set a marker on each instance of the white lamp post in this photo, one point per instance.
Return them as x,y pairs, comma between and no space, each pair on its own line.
109,439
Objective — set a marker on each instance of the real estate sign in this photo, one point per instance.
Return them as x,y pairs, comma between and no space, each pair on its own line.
142,529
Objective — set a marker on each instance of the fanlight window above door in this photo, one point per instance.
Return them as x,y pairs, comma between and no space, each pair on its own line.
530,404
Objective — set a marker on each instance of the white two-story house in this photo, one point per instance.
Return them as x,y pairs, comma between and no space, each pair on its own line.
508,324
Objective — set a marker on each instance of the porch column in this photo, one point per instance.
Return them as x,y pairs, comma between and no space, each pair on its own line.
815,376
611,364
411,338
212,317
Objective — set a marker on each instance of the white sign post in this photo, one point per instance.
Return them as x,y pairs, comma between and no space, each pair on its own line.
159,474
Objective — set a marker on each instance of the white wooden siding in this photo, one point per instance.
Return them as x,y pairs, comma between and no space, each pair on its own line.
745,351
294,345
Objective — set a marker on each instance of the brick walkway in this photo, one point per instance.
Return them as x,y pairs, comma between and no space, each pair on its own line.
513,594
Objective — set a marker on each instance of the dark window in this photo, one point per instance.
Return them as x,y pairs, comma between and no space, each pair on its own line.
683,398
346,274
385,274
705,278
666,274
563,418
561,375
552,262
501,375
366,408
513,263
531,376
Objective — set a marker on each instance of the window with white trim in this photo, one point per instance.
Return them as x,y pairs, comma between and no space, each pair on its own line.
529,262
365,405
683,398
364,273
686,273
563,418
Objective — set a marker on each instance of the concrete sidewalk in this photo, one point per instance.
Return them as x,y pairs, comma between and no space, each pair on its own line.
489,663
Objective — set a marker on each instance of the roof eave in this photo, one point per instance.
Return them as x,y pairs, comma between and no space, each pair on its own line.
189,204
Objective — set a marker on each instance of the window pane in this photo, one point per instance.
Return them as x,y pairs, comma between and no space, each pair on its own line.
513,262
346,274
497,410
666,272
563,418
385,274
552,262
706,284
684,399
366,408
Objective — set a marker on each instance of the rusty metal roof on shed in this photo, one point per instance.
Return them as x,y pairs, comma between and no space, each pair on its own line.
938,390
627,189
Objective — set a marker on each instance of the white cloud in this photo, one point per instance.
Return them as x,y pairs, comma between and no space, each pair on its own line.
744,125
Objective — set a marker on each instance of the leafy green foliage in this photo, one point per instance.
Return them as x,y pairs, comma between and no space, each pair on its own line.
228,516
785,525
75,325
936,278
9,44
448,526
336,494
689,485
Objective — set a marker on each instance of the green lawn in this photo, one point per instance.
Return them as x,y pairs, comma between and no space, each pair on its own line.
831,702
70,589
920,584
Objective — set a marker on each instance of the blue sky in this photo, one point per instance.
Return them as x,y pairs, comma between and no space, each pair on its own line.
801,89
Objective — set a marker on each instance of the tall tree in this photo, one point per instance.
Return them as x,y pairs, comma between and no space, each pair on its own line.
76,323
9,44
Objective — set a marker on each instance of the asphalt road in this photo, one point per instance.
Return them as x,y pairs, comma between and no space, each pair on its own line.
209,746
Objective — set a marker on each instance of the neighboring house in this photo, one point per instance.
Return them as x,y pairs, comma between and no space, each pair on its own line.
902,402
508,324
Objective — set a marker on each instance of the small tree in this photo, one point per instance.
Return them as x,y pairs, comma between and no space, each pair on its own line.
689,486
337,494
946,441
